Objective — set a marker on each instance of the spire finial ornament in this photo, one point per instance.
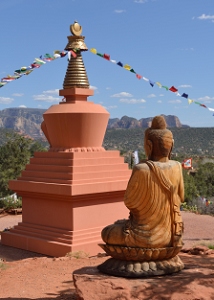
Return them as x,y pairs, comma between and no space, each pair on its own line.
76,29
76,75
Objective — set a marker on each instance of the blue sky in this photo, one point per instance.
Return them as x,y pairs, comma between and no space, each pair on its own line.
166,41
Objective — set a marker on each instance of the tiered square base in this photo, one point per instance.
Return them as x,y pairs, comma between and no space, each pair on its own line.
67,199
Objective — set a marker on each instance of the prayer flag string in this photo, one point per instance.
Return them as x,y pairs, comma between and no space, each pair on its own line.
38,62
152,83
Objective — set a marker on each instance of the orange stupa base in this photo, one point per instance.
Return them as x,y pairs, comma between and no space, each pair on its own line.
72,191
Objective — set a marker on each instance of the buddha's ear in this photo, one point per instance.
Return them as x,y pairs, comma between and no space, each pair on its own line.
170,152
149,147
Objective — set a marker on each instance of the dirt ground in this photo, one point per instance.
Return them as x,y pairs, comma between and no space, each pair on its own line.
27,275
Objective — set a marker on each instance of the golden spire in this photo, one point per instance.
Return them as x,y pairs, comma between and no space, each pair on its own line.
76,75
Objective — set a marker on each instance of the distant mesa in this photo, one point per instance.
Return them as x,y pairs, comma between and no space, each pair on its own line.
128,122
27,121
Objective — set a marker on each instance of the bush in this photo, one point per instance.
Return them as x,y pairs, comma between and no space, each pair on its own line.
9,202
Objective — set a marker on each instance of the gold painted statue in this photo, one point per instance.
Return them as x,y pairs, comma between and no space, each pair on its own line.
153,232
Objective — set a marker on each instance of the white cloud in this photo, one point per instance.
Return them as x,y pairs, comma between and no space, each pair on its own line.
206,99
206,17
92,87
111,107
56,92
132,101
151,96
175,101
6,100
24,106
122,94
17,95
159,101
161,95
185,86
141,1
119,11
46,98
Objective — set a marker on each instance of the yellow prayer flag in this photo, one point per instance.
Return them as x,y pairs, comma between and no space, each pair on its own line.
93,50
127,67
159,84
190,101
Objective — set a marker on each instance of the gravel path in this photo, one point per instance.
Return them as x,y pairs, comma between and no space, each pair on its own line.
196,228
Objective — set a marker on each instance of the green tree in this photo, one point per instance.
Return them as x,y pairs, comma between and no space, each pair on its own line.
204,179
37,146
190,188
15,153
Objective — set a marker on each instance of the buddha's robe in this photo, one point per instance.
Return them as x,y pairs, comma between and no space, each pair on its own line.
153,196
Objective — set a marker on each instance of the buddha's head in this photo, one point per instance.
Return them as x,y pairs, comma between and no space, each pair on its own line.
158,141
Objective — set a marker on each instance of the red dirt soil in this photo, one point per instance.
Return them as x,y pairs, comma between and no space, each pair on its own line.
27,275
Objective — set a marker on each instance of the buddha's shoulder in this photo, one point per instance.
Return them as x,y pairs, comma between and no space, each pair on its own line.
143,166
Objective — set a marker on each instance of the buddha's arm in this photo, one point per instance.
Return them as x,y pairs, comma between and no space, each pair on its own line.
181,185
137,189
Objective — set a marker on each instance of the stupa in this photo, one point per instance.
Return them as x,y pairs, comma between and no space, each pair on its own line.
73,190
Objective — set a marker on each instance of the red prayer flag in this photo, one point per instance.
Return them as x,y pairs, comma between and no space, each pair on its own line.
73,53
173,89
34,65
187,163
106,56
63,53
138,76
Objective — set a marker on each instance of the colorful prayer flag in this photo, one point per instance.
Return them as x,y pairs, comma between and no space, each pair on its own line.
127,67
159,84
120,64
187,163
40,61
73,53
93,50
106,56
190,101
63,53
151,83
7,79
173,89
35,65
184,95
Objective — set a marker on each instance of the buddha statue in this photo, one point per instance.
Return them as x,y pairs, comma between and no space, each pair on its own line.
153,231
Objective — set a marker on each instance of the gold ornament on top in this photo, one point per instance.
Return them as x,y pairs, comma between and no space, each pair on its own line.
76,29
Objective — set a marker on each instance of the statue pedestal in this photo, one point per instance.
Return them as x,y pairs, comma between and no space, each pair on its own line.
67,199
